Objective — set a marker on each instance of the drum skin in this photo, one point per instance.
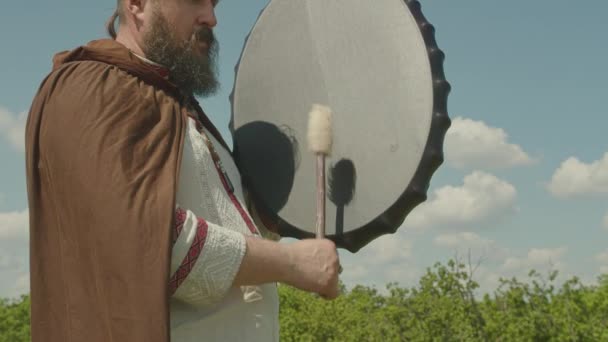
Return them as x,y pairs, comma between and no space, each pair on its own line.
377,66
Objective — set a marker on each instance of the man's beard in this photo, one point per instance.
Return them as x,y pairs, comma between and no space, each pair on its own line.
193,72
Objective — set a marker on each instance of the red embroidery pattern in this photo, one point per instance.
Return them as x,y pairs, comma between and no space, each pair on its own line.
229,191
162,71
180,219
244,214
237,204
190,260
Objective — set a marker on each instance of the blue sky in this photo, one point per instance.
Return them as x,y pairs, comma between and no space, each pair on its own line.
525,183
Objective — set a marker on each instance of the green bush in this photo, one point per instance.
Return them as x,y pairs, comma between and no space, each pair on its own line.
444,307
441,307
15,320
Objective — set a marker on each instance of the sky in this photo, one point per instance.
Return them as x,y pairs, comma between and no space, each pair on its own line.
525,181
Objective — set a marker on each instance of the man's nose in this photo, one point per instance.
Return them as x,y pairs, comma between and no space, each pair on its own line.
207,16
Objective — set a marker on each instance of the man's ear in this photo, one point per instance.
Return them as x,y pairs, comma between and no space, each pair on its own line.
135,9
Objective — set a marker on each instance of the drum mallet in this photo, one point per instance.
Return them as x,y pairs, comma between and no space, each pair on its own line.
320,143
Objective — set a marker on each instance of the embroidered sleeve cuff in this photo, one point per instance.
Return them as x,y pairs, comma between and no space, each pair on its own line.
211,275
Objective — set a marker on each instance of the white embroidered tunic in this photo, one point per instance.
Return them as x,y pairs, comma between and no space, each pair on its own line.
209,245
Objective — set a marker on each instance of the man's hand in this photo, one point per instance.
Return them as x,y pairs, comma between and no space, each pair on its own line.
310,265
315,266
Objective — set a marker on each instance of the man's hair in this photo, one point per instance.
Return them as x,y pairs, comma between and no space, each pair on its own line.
110,24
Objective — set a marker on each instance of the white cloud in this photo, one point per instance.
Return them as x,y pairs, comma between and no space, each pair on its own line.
388,248
482,196
386,259
574,177
487,278
475,246
9,262
507,264
473,144
14,254
22,284
402,274
602,259
605,222
12,128
354,271
14,225
462,239
538,259
542,260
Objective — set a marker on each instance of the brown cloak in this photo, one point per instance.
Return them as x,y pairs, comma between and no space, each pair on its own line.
103,144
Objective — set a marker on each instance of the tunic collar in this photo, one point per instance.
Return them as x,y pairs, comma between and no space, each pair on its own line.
161,69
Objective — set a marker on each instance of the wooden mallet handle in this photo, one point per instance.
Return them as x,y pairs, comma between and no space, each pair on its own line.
320,143
320,228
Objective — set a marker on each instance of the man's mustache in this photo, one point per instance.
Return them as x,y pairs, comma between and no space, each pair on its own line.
206,35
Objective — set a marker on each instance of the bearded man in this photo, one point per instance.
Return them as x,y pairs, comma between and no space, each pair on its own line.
140,227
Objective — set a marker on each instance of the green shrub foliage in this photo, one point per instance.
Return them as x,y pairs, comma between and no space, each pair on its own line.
443,306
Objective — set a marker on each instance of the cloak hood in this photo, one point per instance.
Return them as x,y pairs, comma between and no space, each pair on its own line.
111,52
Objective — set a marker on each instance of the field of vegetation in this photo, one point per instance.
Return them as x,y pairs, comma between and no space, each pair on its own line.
441,307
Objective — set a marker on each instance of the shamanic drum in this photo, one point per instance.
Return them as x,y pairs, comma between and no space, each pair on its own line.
377,66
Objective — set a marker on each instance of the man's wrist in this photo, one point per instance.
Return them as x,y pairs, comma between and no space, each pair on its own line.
287,263
266,261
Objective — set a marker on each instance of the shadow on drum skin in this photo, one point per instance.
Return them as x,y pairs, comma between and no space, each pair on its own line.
273,169
341,189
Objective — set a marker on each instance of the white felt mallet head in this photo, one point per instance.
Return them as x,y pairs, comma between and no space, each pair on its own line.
319,129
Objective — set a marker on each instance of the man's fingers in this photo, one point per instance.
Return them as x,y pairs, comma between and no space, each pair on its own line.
333,291
329,296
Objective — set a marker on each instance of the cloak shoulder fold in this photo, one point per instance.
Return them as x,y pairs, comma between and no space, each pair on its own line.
103,149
